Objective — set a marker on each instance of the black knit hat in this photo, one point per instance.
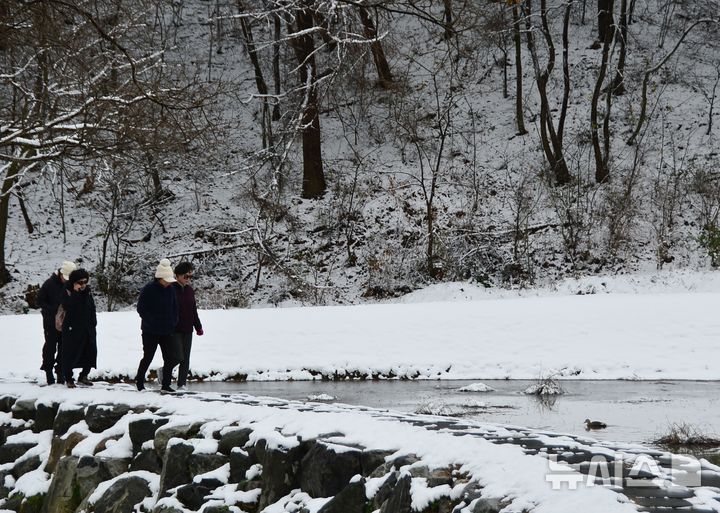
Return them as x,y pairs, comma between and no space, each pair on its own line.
77,275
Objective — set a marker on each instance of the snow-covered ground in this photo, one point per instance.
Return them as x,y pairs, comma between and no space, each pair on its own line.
449,332
597,336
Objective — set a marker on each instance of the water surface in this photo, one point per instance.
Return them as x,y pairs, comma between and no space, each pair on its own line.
635,411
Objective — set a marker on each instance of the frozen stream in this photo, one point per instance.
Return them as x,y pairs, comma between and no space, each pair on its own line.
635,411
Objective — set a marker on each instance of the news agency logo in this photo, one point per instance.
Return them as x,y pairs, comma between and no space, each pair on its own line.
626,471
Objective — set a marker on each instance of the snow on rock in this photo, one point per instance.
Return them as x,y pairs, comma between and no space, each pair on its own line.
321,397
476,387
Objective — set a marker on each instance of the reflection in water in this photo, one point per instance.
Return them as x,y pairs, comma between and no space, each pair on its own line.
634,411
545,403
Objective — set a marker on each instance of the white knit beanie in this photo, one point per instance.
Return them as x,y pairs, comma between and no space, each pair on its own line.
165,271
66,268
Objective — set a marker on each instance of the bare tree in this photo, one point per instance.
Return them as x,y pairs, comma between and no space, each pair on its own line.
653,69
519,118
381,64
78,84
602,155
551,136
618,85
304,47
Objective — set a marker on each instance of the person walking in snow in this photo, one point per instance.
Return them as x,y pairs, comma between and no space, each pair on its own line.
158,309
48,299
188,318
79,336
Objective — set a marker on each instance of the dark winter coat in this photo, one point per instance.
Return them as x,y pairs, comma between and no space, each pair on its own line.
188,309
79,338
158,309
49,298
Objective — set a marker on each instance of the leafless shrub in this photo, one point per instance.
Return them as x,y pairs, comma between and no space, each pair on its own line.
545,386
682,434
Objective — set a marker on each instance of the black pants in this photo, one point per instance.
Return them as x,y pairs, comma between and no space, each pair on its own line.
75,351
52,345
184,343
170,353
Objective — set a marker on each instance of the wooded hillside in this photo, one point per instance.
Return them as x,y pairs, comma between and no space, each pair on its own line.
335,151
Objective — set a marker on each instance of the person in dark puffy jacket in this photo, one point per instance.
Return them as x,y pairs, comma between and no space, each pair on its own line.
79,336
158,309
189,318
48,299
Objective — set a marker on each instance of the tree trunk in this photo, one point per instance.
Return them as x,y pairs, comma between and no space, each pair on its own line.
276,65
618,85
602,172
448,20
551,145
519,119
23,210
566,73
266,126
381,63
11,177
4,21
313,174
604,13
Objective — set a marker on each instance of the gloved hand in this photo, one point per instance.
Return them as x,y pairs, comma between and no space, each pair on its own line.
199,332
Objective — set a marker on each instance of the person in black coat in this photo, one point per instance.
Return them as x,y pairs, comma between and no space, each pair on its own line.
158,309
48,299
79,337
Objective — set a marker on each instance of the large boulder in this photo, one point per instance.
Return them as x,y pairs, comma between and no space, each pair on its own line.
385,489
487,505
45,416
9,429
192,495
200,463
143,430
63,495
327,469
175,469
26,465
100,417
122,496
147,459
399,500
281,467
11,452
22,504
67,417
60,447
92,470
6,403
435,477
372,459
240,463
24,409
165,433
351,499
233,438
4,492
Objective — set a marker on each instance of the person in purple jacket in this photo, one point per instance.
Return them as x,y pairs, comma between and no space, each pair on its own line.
189,319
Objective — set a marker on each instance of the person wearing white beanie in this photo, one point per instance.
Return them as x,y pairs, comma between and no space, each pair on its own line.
159,312
164,271
51,294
